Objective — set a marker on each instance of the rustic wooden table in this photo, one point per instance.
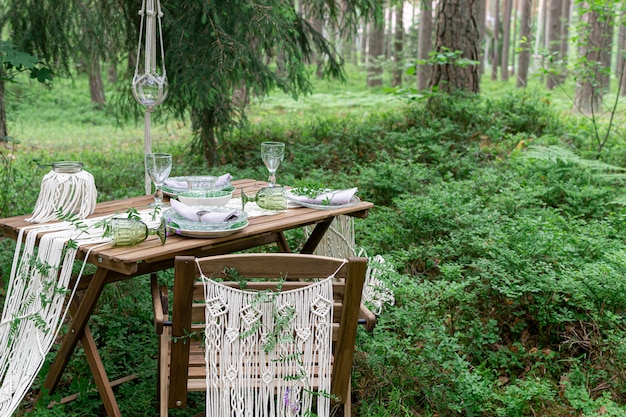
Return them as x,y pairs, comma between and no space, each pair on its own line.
114,264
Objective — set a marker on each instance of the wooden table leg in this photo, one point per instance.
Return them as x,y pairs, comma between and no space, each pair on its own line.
316,236
99,375
283,246
77,329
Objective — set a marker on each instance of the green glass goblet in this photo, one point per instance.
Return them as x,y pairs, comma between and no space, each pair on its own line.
131,232
268,198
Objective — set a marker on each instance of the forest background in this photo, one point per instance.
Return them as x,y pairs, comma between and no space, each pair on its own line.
500,213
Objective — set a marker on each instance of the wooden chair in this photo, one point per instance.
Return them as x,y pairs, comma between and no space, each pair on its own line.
182,361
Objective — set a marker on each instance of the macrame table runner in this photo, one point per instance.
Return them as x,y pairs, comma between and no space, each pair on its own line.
37,300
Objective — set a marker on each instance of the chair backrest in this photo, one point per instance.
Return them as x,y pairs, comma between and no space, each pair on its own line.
260,272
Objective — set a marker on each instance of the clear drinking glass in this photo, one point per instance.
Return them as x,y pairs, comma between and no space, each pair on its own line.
268,198
158,166
130,232
272,154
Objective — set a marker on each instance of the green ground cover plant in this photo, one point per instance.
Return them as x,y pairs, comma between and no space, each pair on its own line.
502,223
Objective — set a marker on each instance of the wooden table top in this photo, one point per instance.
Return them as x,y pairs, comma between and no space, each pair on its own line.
151,255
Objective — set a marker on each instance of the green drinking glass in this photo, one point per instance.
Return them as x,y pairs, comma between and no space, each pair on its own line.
268,198
131,232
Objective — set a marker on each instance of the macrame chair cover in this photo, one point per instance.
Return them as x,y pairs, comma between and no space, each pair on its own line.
265,351
339,242
34,307
71,193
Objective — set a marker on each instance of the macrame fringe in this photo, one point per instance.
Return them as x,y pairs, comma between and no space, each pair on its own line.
35,307
246,379
73,193
339,242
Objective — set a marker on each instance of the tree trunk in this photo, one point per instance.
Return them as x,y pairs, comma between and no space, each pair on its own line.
588,90
425,43
205,141
607,48
483,44
458,30
621,56
318,25
514,35
496,35
525,43
565,23
388,43
506,39
541,13
96,85
398,43
375,56
553,34
3,114
364,40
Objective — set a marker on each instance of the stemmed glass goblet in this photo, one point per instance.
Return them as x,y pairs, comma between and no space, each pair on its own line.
130,232
272,154
158,166
268,198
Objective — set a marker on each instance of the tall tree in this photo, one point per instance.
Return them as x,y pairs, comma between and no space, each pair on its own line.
524,43
553,38
506,39
398,43
458,35
65,32
566,6
590,66
212,49
483,44
621,55
496,35
375,55
425,43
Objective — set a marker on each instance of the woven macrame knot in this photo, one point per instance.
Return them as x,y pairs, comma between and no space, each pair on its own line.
67,193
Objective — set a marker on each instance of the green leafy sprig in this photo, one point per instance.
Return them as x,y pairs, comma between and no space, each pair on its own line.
311,189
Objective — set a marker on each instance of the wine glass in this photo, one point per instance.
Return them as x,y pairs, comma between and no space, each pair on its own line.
268,198
272,154
158,166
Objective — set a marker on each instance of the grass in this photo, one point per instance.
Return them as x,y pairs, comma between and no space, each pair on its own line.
508,260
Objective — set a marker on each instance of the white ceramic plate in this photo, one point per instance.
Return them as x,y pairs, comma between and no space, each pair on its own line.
353,202
212,233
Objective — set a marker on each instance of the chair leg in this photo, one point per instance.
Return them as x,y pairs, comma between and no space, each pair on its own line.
347,407
163,372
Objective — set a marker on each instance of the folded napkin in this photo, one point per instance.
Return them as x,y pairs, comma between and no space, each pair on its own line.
221,181
190,213
331,198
